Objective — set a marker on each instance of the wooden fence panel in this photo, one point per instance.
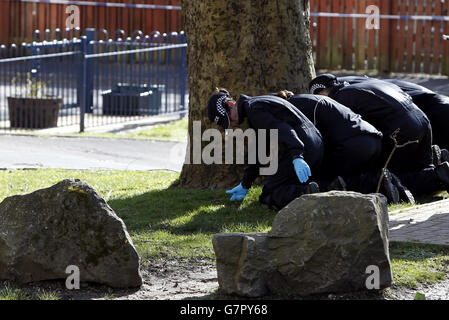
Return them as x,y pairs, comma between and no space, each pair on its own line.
53,21
314,30
323,26
401,52
22,25
349,37
445,62
39,23
334,38
372,41
428,36
360,37
402,44
412,45
386,33
437,39
25,17
5,29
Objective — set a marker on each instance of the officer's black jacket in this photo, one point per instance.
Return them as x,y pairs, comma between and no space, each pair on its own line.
434,105
426,99
297,136
413,89
382,104
336,122
354,79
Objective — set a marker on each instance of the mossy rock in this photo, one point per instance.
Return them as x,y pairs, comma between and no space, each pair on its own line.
44,232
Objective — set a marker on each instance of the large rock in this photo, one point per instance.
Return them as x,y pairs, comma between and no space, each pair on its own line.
68,224
319,243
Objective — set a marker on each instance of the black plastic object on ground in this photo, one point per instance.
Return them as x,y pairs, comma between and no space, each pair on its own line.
133,99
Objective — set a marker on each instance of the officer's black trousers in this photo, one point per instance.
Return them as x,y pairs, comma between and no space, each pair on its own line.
436,108
354,156
284,187
413,164
351,158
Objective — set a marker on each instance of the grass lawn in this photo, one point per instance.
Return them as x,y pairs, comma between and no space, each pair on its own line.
173,131
163,221
415,264
171,222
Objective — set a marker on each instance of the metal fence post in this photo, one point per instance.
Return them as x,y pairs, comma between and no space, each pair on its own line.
85,78
82,83
183,71
86,48
90,36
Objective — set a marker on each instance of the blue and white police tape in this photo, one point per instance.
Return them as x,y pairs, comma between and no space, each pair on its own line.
170,7
104,4
380,16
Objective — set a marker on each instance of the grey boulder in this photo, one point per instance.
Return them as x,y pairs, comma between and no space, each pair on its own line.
68,224
319,243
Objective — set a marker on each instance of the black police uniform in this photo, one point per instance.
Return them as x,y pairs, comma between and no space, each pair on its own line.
434,105
354,79
388,108
297,138
352,146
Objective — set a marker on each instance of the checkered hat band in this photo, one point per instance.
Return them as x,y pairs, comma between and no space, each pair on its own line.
316,87
221,110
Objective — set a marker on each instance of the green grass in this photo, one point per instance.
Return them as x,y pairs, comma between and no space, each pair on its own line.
162,221
415,264
12,293
175,223
401,206
173,131
398,208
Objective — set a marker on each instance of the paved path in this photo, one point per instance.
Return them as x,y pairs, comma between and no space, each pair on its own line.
90,153
428,223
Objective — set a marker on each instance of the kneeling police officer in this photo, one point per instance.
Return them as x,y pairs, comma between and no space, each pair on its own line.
300,145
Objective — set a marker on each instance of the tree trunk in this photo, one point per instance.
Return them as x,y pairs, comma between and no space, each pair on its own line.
249,47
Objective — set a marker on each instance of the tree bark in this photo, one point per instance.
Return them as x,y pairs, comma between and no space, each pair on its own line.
250,47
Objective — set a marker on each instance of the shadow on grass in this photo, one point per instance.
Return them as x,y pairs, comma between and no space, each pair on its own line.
56,290
416,251
360,295
186,211
431,198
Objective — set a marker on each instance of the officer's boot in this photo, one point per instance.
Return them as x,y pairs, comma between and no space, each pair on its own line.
405,194
436,154
311,187
388,189
338,184
444,155
442,172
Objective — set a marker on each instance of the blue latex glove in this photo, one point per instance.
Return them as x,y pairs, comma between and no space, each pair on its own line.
238,193
302,170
